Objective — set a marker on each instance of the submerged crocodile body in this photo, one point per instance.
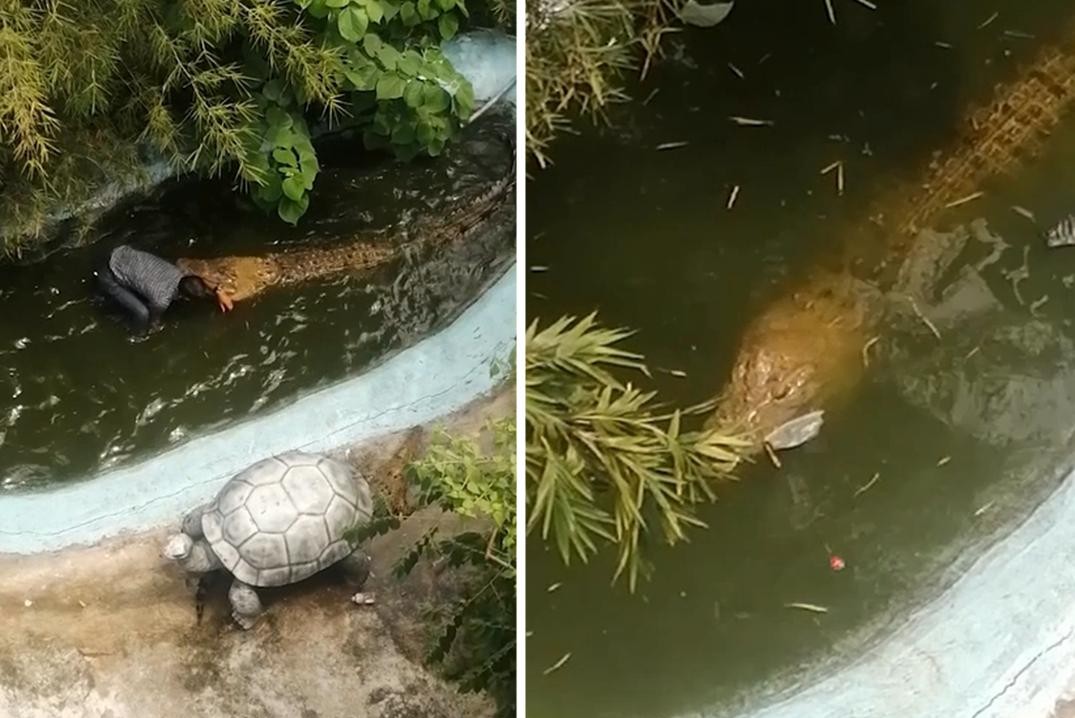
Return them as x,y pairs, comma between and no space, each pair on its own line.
806,350
245,277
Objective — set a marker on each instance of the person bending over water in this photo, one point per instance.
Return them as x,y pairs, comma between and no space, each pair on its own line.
145,285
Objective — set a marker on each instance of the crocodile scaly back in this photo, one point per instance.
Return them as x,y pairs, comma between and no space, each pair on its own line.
243,277
994,140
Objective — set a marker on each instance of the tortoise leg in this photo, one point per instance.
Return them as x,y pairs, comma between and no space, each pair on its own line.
245,604
356,567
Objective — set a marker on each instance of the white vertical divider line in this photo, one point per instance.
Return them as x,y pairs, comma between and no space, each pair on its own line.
520,357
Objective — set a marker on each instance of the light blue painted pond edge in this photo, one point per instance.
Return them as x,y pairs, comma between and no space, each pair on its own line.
997,644
431,379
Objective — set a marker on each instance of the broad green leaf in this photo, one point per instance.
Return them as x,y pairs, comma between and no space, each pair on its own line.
409,63
290,210
318,8
408,14
285,157
448,25
293,188
363,77
371,44
445,5
374,10
464,97
337,3
390,86
412,95
425,10
434,98
277,117
390,8
388,56
352,23
424,133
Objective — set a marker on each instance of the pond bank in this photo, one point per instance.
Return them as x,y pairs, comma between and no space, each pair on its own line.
999,643
113,631
434,377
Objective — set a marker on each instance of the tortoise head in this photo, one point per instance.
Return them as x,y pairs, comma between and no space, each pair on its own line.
195,556
178,548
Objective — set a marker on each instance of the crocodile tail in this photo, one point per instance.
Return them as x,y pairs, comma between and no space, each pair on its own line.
471,212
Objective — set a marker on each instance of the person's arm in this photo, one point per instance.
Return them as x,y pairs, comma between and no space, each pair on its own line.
223,300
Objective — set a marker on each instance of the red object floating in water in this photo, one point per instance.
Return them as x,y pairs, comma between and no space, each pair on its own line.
836,563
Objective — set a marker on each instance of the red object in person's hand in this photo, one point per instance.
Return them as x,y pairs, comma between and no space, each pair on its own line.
836,563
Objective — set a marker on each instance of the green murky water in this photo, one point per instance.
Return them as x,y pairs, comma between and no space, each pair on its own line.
79,394
644,237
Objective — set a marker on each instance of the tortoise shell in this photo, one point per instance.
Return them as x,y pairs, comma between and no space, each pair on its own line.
286,518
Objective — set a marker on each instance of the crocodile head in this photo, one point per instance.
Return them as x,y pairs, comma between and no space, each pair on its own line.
802,354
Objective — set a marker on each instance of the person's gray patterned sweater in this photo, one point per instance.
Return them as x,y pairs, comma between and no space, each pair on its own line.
154,279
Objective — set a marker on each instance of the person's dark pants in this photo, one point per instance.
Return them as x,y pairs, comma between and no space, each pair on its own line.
131,303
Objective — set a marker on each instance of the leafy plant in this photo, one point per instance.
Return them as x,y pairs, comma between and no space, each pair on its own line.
576,53
219,85
477,638
604,464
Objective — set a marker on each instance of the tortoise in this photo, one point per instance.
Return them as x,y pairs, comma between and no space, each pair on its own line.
277,522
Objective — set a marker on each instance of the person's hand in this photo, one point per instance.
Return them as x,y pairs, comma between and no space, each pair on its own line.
224,301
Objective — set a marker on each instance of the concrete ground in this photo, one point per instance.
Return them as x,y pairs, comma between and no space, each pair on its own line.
114,631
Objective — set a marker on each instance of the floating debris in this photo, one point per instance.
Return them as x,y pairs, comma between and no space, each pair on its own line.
812,607
650,96
832,12
554,587
772,456
539,268
1019,275
1023,212
972,352
796,432
836,563
965,200
867,4
733,196
737,71
671,145
866,350
989,21
944,461
751,121
924,318
694,13
943,45
869,484
363,599
1038,304
985,508
558,665
1020,35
